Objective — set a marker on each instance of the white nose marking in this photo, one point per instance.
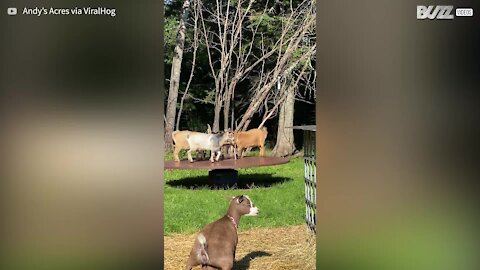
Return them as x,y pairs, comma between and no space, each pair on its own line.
253,211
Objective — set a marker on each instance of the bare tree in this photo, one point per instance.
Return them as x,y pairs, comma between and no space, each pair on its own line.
300,22
175,77
195,45
231,56
236,48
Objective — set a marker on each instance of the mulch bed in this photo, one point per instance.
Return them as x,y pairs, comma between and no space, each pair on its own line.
291,247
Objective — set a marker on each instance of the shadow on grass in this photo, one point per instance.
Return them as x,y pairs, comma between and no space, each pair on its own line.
244,263
244,182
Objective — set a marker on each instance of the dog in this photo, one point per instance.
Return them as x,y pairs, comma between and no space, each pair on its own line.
215,245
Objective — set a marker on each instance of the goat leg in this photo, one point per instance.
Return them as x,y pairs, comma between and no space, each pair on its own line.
240,152
189,153
212,156
262,150
234,151
176,151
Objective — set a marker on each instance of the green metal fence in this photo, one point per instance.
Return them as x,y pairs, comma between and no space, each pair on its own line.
310,168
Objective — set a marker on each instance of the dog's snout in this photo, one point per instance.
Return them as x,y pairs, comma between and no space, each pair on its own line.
253,211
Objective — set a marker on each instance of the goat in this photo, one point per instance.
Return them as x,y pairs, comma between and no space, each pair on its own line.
212,142
250,138
180,141
216,244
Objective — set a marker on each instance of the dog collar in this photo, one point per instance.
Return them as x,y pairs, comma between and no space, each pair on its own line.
233,221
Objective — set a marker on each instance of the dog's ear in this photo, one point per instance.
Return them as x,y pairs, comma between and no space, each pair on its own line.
240,199
229,198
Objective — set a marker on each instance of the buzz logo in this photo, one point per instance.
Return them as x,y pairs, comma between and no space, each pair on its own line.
435,12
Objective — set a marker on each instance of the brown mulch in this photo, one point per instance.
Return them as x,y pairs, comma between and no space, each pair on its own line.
291,247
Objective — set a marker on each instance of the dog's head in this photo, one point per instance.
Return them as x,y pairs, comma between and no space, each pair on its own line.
244,205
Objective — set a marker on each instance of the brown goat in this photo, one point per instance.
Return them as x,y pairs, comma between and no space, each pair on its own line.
250,138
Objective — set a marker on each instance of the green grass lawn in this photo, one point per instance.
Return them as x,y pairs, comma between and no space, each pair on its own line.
278,191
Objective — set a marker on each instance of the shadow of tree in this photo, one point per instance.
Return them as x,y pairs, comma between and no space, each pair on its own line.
244,263
244,182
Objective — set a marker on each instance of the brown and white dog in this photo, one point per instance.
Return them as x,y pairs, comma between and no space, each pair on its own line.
215,245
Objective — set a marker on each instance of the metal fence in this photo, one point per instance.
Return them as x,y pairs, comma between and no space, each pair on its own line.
310,167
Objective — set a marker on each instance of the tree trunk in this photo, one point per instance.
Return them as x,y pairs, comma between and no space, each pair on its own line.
175,78
216,117
226,111
285,144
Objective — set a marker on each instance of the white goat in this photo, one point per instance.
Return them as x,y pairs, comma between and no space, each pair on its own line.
212,142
